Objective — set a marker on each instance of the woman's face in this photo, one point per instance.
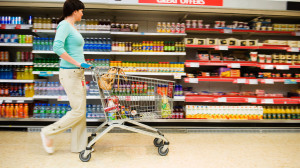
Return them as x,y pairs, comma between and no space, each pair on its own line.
78,15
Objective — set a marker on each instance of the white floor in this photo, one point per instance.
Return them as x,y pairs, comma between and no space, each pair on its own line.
122,150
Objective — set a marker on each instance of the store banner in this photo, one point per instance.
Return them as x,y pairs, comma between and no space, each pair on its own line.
185,2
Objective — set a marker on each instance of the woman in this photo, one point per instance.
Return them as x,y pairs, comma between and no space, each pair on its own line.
68,44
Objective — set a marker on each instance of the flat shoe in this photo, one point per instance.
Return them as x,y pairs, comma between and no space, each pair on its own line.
49,150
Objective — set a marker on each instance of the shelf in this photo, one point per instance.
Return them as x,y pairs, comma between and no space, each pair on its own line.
237,64
18,99
160,120
16,63
220,47
119,53
241,80
150,53
42,32
15,44
241,31
241,99
148,34
123,98
127,73
15,81
15,26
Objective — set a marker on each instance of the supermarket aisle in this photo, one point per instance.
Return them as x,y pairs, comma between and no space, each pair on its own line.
24,150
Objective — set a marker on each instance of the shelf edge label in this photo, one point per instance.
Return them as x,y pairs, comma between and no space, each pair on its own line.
234,65
222,99
62,98
227,31
266,67
290,81
293,49
177,76
269,81
193,80
223,48
282,67
252,100
253,81
267,101
194,64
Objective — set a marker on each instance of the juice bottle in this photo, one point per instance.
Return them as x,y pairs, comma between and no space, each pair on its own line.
266,112
31,90
21,77
26,90
11,111
273,110
278,112
26,109
283,113
288,112
2,113
7,107
26,74
297,113
31,75
21,111
16,111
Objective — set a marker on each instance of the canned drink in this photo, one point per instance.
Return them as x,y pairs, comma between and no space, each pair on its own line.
5,20
23,38
30,20
2,19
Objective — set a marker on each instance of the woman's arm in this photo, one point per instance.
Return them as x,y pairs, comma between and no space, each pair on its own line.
68,58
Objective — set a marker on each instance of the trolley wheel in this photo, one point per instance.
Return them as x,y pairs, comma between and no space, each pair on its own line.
163,153
155,141
90,138
84,159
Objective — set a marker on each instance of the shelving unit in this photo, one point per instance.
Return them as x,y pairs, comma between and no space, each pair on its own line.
147,32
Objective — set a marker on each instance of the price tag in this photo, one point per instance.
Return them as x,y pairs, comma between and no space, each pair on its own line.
18,26
194,64
290,81
228,31
10,26
241,80
222,99
177,76
253,81
267,101
193,80
235,65
282,67
297,33
1,101
3,26
293,49
62,98
269,81
8,101
47,73
252,100
20,101
142,33
221,48
266,67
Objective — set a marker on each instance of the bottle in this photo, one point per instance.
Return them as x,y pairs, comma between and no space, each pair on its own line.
21,111
36,111
53,111
48,111
57,111
26,90
43,111
89,111
63,110
16,112
26,111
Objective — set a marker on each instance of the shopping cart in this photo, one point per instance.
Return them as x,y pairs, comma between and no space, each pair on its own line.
129,99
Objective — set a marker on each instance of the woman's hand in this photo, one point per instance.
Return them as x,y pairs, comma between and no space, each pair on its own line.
86,66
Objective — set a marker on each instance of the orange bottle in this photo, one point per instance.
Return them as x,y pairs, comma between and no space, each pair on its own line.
7,107
16,111
21,111
26,111
11,110
2,112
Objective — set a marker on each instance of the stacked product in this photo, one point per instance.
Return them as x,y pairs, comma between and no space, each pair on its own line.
97,44
16,72
124,27
224,42
48,89
281,112
99,63
15,20
4,56
14,111
171,67
218,25
16,90
148,46
22,56
46,64
289,43
224,112
15,38
48,111
44,44
167,27
178,112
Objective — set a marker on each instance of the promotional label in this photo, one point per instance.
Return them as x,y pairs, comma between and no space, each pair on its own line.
185,2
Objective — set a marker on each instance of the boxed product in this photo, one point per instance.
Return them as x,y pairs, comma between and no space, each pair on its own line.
198,41
253,56
275,56
261,58
223,42
293,43
282,42
215,56
243,43
252,42
210,41
203,56
189,40
205,74
224,72
260,92
271,42
232,41
268,59
235,73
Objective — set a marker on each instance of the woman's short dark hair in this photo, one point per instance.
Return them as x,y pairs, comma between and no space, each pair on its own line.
69,7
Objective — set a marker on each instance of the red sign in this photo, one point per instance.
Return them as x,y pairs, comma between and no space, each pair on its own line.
185,2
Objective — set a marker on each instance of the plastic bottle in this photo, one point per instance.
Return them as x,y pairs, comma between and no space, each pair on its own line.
58,111
48,111
26,111
36,111
63,110
56,89
52,111
43,111
89,111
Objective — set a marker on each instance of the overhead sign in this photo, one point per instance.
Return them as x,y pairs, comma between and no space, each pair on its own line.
185,2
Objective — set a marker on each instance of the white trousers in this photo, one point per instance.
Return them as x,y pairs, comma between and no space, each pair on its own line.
73,81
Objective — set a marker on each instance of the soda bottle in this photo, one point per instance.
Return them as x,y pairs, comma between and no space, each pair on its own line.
89,111
26,111
7,110
63,110
53,111
2,112
11,111
26,90
21,111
